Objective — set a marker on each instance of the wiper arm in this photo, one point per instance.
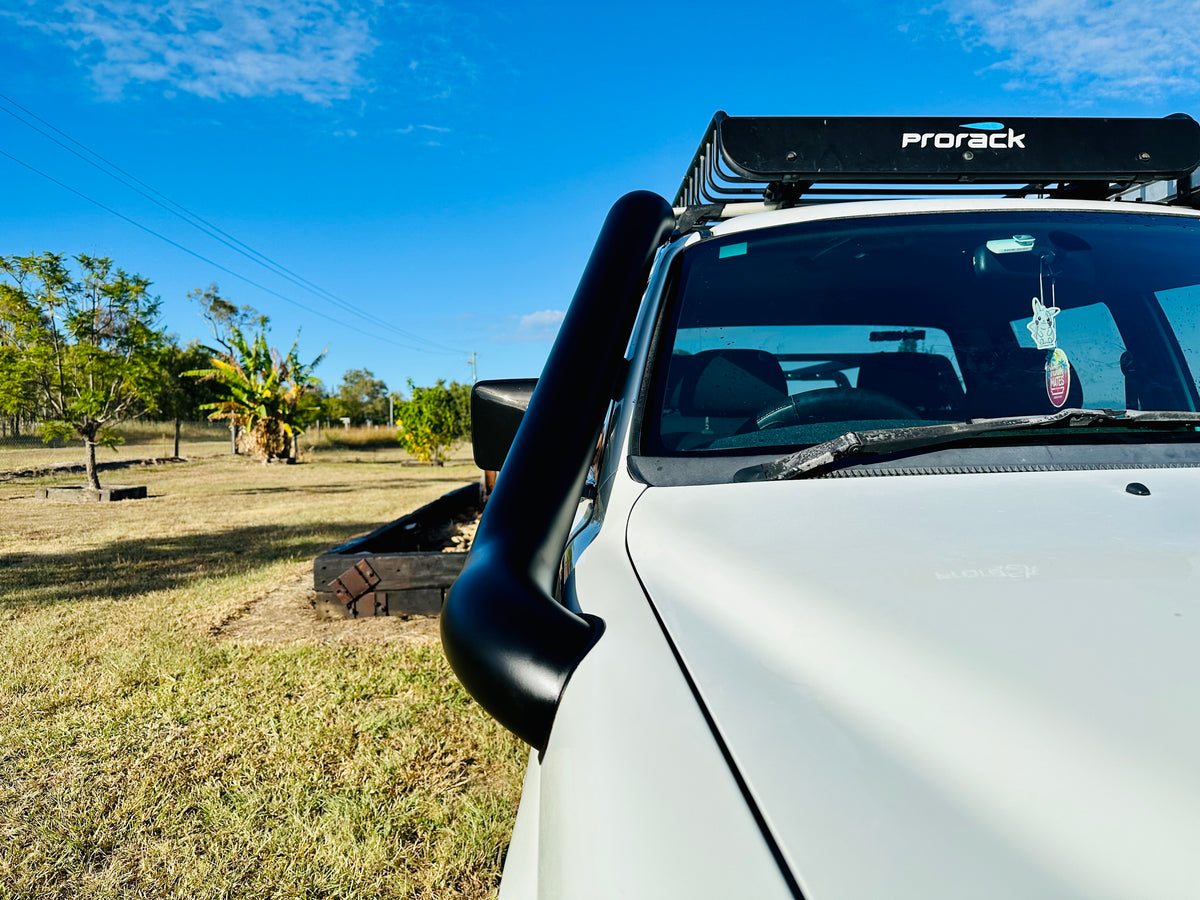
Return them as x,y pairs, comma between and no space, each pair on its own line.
880,442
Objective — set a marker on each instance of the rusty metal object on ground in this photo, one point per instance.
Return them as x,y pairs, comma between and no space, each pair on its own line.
413,561
354,582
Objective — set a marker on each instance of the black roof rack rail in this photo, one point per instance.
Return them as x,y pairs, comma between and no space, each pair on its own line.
794,160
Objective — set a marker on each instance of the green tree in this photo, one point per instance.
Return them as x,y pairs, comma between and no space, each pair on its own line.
180,396
428,422
18,381
331,405
222,317
267,395
20,327
462,410
361,396
89,347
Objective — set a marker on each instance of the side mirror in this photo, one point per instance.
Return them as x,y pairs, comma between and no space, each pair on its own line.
497,408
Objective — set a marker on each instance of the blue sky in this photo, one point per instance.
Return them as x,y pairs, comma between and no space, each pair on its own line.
442,168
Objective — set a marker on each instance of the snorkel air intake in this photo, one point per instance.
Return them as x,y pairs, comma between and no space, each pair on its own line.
510,642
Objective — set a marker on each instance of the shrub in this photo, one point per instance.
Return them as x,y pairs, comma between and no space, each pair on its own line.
429,422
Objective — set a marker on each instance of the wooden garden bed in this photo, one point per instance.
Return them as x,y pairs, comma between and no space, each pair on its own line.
402,568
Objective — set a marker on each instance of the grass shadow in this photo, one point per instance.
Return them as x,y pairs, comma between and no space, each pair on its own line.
398,484
129,569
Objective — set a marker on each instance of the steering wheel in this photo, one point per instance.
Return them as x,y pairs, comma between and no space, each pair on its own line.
834,404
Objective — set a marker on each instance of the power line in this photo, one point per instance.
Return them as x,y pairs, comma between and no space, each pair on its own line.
207,228
205,259
210,229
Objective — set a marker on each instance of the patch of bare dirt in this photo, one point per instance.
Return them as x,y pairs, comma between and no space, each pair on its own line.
287,614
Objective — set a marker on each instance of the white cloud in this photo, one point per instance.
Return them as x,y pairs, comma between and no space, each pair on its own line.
536,326
213,48
1091,49
546,318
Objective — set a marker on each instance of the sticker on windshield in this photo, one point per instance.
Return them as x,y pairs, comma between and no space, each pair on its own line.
1042,326
1058,377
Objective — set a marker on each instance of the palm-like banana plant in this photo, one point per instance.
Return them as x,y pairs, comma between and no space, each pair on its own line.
265,392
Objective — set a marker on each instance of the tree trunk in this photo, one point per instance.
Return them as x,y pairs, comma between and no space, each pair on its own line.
233,437
175,455
89,462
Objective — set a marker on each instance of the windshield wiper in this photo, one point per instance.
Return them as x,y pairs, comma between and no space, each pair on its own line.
883,441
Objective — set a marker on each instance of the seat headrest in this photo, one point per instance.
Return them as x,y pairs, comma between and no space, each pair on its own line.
729,383
1012,382
925,381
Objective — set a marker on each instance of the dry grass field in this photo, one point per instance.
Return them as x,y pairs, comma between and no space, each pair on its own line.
142,440
175,721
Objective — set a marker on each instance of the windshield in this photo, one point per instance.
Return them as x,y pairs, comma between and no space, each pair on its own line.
793,335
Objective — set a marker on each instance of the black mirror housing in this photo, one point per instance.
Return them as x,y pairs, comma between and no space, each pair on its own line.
497,408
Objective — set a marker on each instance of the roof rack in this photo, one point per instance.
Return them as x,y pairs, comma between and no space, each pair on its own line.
784,161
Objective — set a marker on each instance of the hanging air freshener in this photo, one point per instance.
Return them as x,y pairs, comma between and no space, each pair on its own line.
1058,377
1044,331
1042,327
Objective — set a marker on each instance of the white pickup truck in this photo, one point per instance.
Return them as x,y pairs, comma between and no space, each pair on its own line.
849,545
